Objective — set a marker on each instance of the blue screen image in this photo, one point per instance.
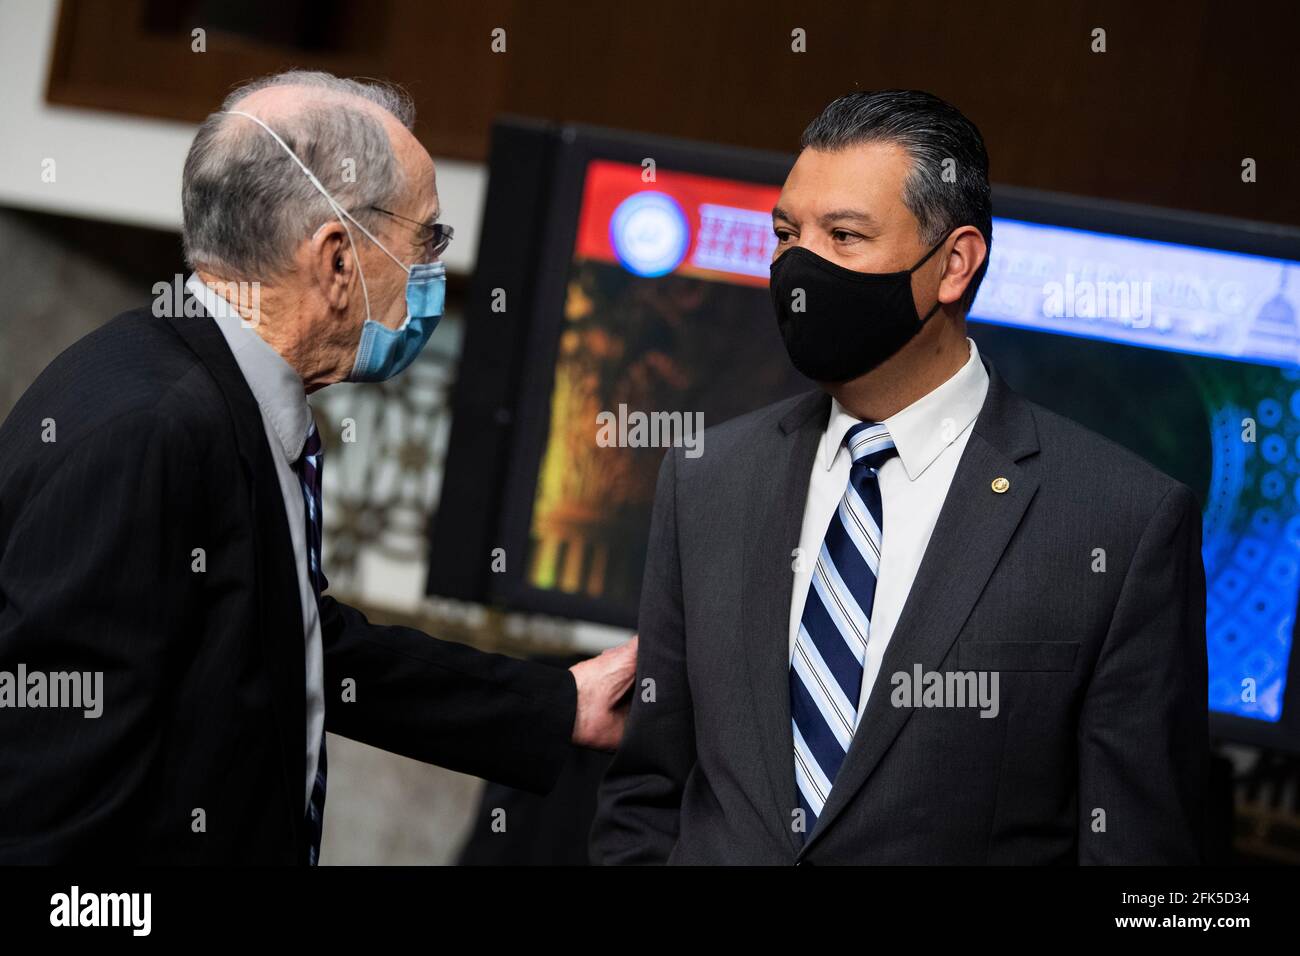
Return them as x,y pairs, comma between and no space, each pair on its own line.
1206,336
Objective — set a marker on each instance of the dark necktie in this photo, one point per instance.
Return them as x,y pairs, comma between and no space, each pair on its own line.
309,468
831,648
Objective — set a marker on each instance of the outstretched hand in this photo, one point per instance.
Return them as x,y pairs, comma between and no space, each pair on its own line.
603,682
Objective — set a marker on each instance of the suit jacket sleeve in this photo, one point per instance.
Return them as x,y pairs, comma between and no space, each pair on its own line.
1143,731
96,576
640,798
489,715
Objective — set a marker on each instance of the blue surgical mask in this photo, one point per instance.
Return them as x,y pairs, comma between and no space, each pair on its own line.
384,352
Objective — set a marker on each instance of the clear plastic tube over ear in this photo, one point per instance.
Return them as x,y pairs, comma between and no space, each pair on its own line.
343,215
383,352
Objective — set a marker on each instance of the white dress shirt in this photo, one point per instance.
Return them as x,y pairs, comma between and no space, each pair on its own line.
930,435
286,416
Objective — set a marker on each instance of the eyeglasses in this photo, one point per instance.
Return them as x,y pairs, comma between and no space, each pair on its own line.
437,236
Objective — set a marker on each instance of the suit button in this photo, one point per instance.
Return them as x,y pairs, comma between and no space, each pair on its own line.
804,863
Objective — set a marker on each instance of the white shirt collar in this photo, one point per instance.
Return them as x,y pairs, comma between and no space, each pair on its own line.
922,430
275,385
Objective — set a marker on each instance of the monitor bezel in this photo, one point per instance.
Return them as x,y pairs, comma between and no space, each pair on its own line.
578,145
1202,231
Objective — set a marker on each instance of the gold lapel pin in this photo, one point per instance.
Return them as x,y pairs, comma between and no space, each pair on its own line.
1000,485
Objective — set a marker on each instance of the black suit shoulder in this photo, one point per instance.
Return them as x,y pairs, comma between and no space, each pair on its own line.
1095,473
1092,452
130,363
735,442
1102,475
133,376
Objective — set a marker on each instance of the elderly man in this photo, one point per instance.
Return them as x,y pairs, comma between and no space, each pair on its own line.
160,522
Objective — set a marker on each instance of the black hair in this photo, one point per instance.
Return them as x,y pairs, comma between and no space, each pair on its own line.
932,132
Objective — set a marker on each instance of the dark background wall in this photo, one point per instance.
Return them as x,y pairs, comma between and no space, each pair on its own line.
1184,92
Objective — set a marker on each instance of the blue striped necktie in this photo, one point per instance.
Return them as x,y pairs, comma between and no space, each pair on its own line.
309,468
830,650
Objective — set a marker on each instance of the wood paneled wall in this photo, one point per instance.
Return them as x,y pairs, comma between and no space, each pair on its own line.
1184,92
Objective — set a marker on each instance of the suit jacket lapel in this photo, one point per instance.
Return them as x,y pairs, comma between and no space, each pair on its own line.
973,529
275,575
778,487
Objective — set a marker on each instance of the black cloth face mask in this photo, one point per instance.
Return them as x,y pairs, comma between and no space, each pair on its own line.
848,322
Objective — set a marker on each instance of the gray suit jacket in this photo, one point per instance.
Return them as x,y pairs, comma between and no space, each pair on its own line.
1099,751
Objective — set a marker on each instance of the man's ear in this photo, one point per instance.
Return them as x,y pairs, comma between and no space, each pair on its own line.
333,264
967,253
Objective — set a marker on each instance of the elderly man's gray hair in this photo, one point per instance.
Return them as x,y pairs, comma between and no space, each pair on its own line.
246,205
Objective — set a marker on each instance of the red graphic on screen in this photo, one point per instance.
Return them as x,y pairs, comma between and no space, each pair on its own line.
729,222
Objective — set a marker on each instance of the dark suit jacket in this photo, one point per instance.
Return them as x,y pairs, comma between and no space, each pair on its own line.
160,449
1099,752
